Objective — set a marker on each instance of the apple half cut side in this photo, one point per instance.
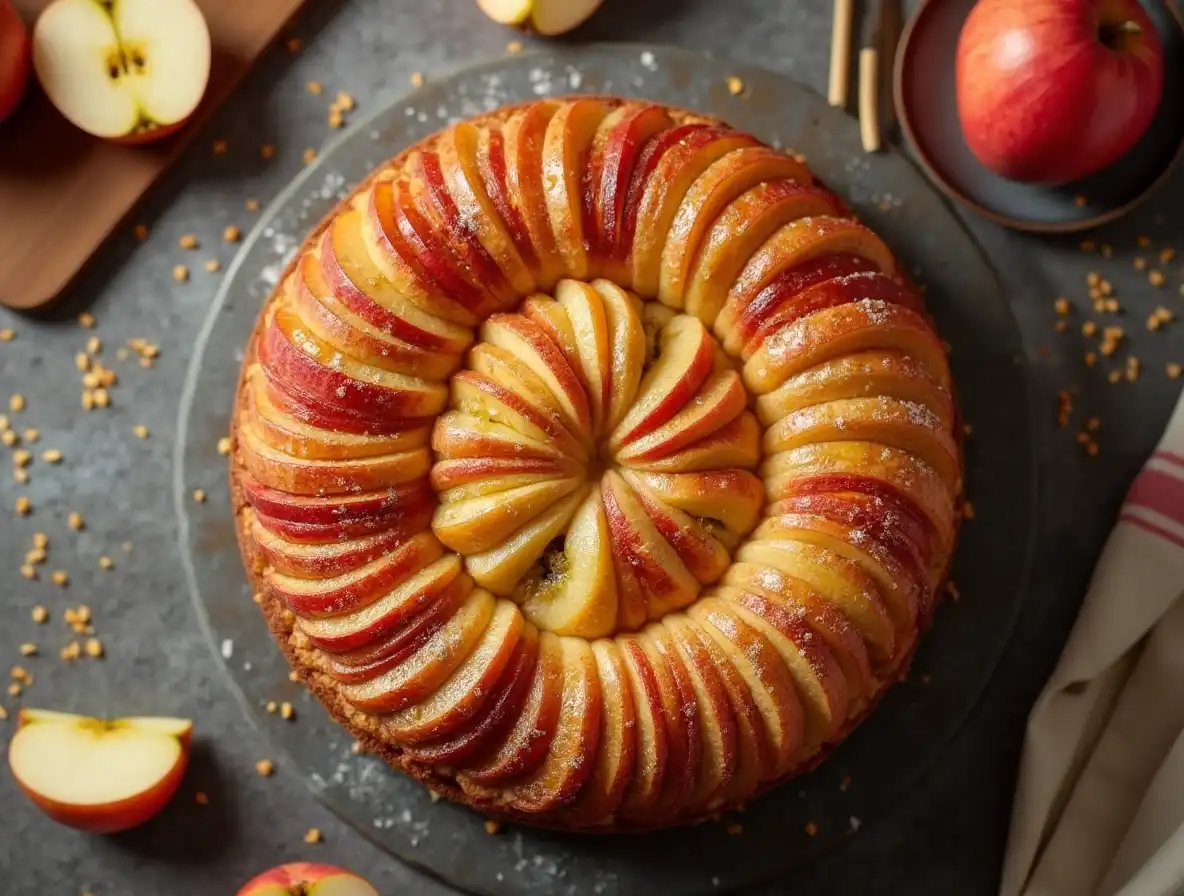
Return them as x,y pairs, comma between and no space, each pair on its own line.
547,17
132,71
97,775
307,879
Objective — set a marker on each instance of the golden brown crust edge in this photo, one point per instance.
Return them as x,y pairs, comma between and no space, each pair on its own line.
280,620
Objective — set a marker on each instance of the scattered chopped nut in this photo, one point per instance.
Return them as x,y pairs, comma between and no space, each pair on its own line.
29,572
735,86
310,155
252,205
1140,264
1114,376
94,648
52,456
286,711
313,836
220,147
24,506
14,690
140,232
1064,407
1107,250
28,649
316,88
31,434
40,615
1111,338
231,234
514,46
293,44
265,767
3,713
212,265
71,651
60,577
335,120
345,101
1132,369
21,457
75,521
293,675
180,273
7,334
224,446
492,827
199,495
1063,306
272,706
101,398
188,241
140,430
811,829
9,437
1156,278
16,404
1174,370
266,151
86,319
106,563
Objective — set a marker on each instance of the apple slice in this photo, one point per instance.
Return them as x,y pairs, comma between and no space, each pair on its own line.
718,402
324,561
591,336
492,171
630,133
566,144
461,478
480,523
736,445
14,59
525,135
627,350
683,725
685,360
653,755
481,396
307,879
131,71
460,435
729,501
99,776
704,556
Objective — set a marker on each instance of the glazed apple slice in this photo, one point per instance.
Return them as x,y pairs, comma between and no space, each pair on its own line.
724,181
293,399
413,518
493,174
389,613
459,149
528,740
304,476
898,424
683,725
627,350
290,352
418,266
333,322
616,749
352,590
357,282
506,368
570,758
412,681
796,598
372,508
818,676
632,602
577,595
859,326
738,444
730,499
527,341
763,671
507,563
472,477
754,755
662,575
704,556
719,401
585,311
323,561
859,375
525,134
685,360
739,232
653,752
495,715
566,144
479,395
461,696
461,435
631,131
478,524
648,158
841,581
663,192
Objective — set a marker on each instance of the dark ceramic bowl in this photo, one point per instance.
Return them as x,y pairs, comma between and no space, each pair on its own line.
925,103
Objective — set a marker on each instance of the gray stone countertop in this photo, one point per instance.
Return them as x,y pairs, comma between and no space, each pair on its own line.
946,838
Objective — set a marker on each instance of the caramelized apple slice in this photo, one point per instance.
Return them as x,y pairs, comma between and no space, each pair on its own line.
565,147
629,133
527,742
728,500
526,140
323,561
701,552
507,368
507,563
457,479
462,694
653,749
590,335
627,350
378,506
576,594
736,445
683,725
739,232
492,170
724,181
569,760
460,435
478,524
412,681
480,396
718,402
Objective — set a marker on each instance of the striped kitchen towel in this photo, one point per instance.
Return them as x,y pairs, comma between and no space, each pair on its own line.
1099,806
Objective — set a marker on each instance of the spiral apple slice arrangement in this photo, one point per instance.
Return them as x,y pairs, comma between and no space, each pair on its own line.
583,521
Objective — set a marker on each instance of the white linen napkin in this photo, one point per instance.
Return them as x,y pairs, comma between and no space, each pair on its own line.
1099,807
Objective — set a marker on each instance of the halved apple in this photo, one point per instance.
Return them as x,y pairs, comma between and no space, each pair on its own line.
131,71
307,879
95,775
547,17
14,59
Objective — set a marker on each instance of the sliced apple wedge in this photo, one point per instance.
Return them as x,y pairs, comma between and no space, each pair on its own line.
131,71
568,139
95,775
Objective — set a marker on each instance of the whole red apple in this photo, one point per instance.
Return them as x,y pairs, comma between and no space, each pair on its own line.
1053,90
14,59
307,879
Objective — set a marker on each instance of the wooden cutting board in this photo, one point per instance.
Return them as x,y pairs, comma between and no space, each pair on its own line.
63,192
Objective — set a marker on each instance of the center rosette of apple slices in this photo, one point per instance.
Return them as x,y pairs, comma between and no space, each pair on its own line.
596,462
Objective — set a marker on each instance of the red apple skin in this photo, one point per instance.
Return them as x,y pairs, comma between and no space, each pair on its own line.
293,875
1042,97
15,59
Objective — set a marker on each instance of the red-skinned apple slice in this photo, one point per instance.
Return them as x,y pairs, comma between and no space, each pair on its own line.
294,399
15,59
471,477
378,506
718,402
566,144
653,754
481,396
477,524
854,327
412,518
526,743
132,72
683,725
590,335
525,135
459,698
412,681
739,232
650,154
627,350
732,498
721,184
507,368
358,587
390,612
99,776
308,879
665,189
702,554
736,445
461,435
492,169
323,561
570,758
685,360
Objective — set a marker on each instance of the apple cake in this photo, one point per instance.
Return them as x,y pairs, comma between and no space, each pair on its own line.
594,465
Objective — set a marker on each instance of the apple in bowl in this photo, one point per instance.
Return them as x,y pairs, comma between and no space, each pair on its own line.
1051,91
307,879
132,71
14,58
98,775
